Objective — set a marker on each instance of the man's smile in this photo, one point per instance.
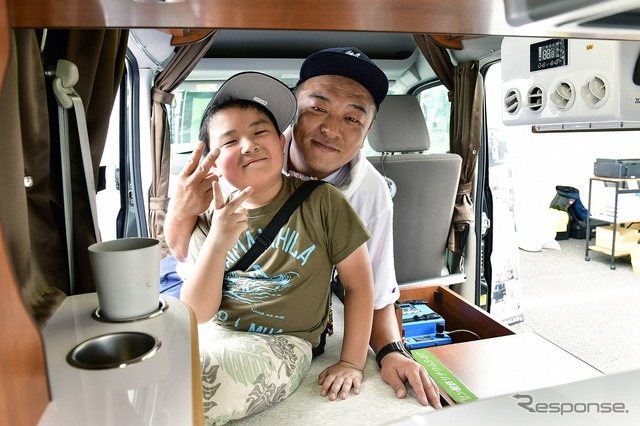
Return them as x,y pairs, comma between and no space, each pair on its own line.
325,146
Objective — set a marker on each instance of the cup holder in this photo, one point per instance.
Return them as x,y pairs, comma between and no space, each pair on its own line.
162,306
114,350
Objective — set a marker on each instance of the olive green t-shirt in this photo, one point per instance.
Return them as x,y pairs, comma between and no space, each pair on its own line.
287,289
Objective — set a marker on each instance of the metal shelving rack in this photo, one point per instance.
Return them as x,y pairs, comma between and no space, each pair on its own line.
619,189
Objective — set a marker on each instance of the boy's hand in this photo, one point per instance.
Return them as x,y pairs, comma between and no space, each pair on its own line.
229,218
339,379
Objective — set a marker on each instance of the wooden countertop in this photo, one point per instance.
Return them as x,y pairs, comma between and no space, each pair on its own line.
511,364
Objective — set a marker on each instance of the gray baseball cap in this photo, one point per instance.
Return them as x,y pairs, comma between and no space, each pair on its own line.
263,89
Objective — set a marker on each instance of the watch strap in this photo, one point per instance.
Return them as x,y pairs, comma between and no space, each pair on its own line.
392,347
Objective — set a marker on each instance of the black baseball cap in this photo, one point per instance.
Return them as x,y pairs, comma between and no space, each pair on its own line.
263,89
347,62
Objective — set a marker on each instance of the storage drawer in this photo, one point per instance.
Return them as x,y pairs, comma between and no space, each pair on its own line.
457,312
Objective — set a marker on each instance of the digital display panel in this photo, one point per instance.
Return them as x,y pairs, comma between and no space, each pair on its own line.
548,54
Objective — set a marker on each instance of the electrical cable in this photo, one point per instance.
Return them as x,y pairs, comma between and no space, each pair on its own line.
461,331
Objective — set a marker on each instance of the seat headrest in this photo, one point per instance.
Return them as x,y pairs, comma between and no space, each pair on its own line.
399,126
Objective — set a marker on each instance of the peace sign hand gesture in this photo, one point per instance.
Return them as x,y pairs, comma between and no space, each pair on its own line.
229,218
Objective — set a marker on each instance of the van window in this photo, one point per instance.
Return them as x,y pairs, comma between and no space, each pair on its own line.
436,108
185,113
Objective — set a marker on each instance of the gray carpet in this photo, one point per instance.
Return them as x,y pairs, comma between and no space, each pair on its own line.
583,306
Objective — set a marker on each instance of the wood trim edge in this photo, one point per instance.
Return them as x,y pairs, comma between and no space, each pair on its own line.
196,375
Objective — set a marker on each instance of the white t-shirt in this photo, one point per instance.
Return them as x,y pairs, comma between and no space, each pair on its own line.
369,195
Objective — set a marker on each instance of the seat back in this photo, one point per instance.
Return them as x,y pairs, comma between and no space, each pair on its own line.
423,187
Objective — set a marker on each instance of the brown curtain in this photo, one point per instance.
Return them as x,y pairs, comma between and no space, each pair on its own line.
465,86
438,58
24,199
31,206
180,66
466,123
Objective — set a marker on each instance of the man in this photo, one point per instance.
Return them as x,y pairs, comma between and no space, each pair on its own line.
338,95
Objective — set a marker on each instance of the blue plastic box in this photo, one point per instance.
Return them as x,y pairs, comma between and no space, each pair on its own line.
422,326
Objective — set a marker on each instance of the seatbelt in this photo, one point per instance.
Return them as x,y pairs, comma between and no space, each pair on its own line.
65,77
266,237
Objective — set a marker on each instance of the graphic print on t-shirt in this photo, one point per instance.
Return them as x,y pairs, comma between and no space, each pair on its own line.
257,287
285,242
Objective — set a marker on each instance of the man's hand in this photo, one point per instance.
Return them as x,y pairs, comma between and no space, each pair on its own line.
338,380
193,193
193,196
398,369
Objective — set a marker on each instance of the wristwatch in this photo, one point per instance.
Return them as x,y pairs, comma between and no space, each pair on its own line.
392,347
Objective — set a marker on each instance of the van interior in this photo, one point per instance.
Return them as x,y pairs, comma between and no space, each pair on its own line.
492,105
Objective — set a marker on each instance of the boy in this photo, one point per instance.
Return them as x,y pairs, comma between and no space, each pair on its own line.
285,293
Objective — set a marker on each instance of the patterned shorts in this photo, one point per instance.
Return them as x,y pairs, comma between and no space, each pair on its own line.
244,373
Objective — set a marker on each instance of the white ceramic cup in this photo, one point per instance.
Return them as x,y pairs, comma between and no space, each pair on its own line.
127,276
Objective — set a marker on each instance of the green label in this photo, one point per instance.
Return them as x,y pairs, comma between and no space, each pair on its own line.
445,378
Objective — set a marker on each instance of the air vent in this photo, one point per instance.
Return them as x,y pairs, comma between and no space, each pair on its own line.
563,95
595,91
535,100
512,101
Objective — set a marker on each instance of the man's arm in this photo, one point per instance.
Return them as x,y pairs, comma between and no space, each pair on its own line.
193,196
397,368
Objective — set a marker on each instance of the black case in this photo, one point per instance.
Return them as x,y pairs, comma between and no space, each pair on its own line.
620,169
